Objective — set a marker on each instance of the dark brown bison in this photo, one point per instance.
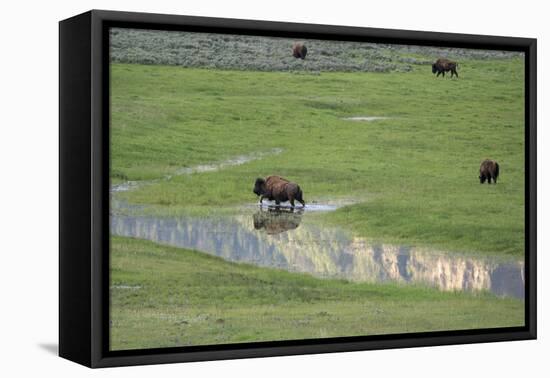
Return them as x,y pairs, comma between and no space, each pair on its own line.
445,65
276,221
278,189
488,170
299,50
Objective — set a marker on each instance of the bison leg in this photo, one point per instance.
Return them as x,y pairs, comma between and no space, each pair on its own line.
291,199
495,179
489,180
261,199
456,73
438,73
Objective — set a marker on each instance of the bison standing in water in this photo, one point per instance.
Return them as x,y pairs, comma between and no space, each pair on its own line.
299,50
488,171
278,189
444,65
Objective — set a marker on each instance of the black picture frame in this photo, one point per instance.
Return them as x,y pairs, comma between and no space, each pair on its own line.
84,188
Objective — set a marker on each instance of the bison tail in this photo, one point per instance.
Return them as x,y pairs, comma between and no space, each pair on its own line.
299,195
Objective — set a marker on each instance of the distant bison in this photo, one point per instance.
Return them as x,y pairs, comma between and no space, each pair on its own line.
299,50
278,189
445,65
488,171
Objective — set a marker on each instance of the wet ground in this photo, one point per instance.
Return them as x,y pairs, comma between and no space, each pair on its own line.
211,167
365,118
292,240
237,160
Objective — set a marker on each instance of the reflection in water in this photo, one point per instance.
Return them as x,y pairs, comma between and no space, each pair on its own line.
274,221
282,240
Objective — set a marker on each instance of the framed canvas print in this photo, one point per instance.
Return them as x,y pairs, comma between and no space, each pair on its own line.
233,188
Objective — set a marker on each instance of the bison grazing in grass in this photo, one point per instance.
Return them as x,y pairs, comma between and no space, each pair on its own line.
278,189
488,171
444,65
299,50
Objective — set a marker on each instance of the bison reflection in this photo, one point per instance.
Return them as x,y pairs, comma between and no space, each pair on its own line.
277,220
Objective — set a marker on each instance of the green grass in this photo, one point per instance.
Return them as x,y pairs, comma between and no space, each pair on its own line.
413,176
163,296
253,53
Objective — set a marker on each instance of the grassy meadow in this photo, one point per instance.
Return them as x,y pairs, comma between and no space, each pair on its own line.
164,296
413,176
179,102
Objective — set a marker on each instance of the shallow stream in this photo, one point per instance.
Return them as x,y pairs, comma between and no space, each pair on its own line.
294,241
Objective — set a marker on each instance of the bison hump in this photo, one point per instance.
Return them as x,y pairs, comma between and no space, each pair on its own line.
275,179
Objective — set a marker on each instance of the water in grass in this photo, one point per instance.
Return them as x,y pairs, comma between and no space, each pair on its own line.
292,240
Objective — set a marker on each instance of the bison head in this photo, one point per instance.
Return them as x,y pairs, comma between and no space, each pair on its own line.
434,68
259,186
